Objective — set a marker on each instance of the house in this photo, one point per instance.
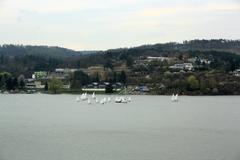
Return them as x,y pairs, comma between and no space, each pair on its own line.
30,84
34,84
236,72
121,68
199,60
61,73
158,59
188,66
94,70
142,88
141,62
182,66
177,66
39,75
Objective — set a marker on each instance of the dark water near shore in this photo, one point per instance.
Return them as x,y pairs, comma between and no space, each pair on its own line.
56,127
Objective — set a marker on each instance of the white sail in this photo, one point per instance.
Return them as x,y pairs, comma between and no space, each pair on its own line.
118,100
176,97
96,100
77,99
93,95
173,98
105,100
102,101
84,97
89,101
123,100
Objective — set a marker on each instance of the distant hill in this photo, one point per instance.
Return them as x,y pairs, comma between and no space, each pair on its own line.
232,46
53,52
214,44
19,59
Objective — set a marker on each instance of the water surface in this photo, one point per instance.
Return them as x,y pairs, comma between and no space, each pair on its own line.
56,127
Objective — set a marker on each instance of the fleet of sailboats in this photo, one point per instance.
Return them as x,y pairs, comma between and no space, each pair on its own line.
122,99
93,99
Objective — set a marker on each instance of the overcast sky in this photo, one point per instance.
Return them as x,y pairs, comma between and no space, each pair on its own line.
104,24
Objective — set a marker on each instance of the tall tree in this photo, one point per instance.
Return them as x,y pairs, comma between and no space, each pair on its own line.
123,77
78,79
108,64
55,85
9,84
21,81
46,86
129,61
193,83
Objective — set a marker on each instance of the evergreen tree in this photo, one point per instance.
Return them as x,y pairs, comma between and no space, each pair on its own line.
21,81
123,77
14,83
97,77
129,61
2,82
109,88
46,86
9,84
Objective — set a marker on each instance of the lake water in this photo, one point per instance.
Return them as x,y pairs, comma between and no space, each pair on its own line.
56,127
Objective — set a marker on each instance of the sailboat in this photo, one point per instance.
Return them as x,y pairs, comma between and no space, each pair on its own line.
174,98
96,100
93,95
105,100
84,97
77,99
89,101
102,101
129,99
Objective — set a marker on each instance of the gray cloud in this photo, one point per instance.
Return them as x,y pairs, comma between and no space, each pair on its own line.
95,26
2,3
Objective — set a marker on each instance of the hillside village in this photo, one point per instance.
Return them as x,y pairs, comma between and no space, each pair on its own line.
196,67
138,79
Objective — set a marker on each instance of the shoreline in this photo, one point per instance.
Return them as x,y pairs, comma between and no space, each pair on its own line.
115,94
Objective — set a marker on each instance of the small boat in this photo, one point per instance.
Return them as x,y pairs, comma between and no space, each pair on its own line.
129,99
89,101
120,100
174,98
102,101
84,97
109,99
77,99
93,95
124,100
105,100
117,100
96,100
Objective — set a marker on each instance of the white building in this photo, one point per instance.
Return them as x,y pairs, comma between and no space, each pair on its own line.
237,73
33,84
201,60
182,66
188,66
158,59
